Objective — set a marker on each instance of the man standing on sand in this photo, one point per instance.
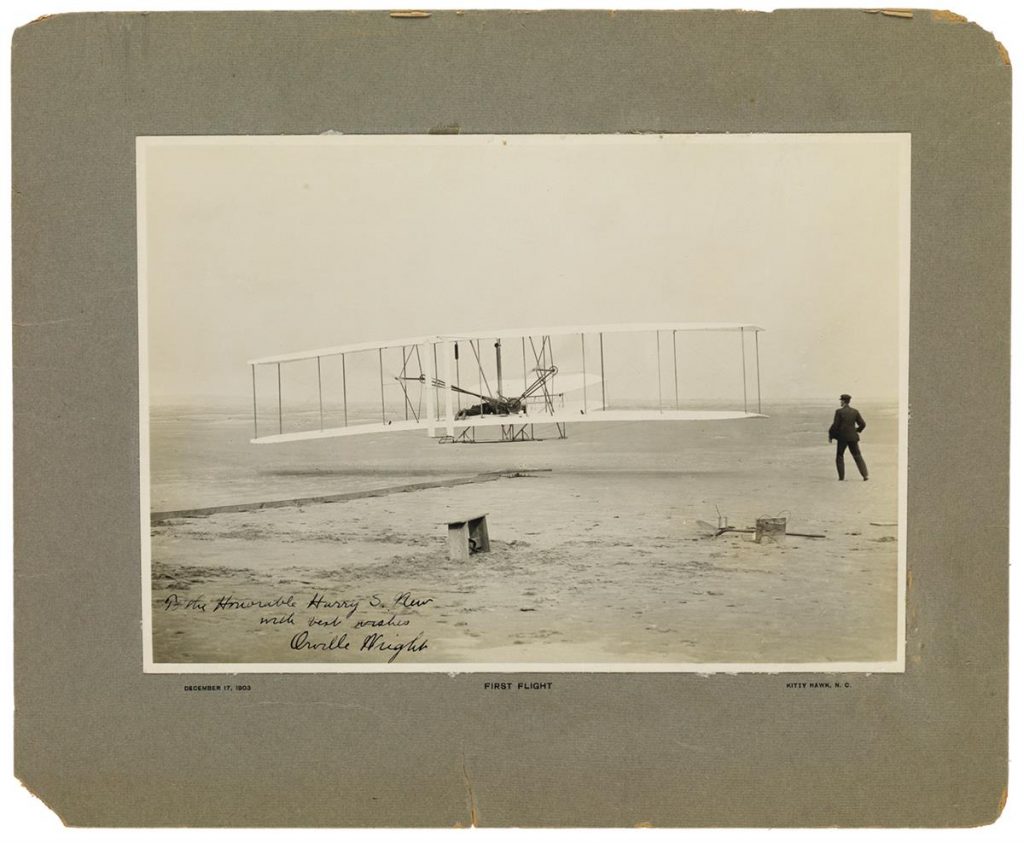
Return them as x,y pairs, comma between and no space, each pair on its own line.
846,429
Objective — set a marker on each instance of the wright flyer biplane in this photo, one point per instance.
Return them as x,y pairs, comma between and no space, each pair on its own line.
510,381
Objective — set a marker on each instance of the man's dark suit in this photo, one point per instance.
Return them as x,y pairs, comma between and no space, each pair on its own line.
846,428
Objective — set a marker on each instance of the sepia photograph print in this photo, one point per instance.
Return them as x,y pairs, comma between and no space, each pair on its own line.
524,403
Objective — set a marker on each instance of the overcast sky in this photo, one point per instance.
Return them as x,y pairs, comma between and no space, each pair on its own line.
260,246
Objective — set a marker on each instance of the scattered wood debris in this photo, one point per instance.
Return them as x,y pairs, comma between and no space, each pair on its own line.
724,527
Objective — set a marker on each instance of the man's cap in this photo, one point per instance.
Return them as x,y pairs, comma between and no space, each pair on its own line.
844,397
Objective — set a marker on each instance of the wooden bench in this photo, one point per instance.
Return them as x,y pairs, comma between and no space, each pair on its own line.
468,536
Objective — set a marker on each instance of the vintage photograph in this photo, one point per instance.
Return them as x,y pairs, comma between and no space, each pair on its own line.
524,403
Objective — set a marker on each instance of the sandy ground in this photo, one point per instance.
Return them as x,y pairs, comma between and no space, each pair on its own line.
597,558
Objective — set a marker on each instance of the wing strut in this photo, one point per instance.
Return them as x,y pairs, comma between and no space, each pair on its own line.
405,392
543,370
380,360
255,423
480,370
449,414
525,384
431,391
583,352
657,335
406,358
419,362
344,389
675,367
757,366
497,358
320,392
743,352
408,401
458,377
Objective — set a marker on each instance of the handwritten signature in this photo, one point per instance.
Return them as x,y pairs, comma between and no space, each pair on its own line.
373,642
331,621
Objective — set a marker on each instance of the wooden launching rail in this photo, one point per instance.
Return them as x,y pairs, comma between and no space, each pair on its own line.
158,518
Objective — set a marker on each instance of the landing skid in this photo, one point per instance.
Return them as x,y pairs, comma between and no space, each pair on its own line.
509,433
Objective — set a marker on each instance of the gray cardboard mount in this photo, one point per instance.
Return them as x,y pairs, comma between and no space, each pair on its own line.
103,744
